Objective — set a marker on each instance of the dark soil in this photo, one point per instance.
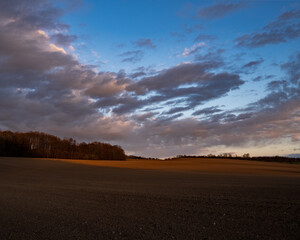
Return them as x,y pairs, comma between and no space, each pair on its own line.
44,199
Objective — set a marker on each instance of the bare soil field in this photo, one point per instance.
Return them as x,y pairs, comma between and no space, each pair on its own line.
148,199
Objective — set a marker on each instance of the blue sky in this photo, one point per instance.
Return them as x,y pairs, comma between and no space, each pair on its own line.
159,78
104,25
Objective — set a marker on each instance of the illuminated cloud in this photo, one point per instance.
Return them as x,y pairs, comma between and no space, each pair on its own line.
193,49
43,33
55,48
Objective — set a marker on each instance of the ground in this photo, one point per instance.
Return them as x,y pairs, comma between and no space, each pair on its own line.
148,199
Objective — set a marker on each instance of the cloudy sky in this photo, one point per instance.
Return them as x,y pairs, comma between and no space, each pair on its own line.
159,78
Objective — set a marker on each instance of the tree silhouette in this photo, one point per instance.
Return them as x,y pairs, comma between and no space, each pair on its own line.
37,144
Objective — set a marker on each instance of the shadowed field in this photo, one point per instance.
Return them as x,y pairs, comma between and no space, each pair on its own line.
148,199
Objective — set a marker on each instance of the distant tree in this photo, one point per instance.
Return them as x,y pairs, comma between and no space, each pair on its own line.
246,155
36,144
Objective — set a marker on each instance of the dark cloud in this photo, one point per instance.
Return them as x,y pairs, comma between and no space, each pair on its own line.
282,91
138,74
292,68
132,56
32,14
212,56
261,78
178,35
176,110
121,45
207,111
143,117
142,71
258,79
190,82
276,85
144,43
269,76
271,100
191,29
176,76
260,127
186,10
204,37
63,39
269,120
284,18
106,85
284,28
252,64
220,10
168,118
188,29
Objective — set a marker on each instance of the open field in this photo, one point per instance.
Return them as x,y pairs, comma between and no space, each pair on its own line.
148,199
203,165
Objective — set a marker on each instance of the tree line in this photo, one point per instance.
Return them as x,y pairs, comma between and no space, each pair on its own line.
245,156
42,145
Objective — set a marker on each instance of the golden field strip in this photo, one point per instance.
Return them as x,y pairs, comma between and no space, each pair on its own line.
205,165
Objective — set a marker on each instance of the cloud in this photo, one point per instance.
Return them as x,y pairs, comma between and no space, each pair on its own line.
54,48
144,43
276,85
179,36
204,37
257,79
143,117
63,39
260,78
179,75
261,127
32,14
220,10
212,56
42,86
106,85
292,68
132,56
177,109
252,64
272,119
187,29
193,83
142,71
193,49
138,74
284,28
207,111
191,29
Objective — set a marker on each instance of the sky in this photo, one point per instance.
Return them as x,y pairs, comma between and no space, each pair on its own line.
159,78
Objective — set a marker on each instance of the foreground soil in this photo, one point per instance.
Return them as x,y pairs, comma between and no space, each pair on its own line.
142,199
